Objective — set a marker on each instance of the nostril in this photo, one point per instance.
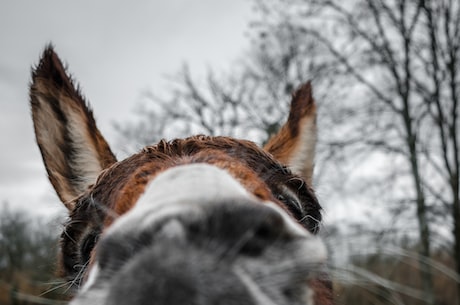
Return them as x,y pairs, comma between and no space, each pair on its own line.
270,226
267,229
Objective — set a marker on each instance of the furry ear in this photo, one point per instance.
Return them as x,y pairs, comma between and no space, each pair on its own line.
294,145
72,148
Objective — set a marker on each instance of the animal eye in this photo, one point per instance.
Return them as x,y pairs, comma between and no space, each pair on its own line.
292,204
281,198
87,246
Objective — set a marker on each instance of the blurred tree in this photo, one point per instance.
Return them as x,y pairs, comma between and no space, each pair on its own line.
27,260
250,101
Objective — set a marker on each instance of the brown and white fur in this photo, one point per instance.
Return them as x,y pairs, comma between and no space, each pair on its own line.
202,220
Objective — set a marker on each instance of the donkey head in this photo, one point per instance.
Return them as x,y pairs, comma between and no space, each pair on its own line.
202,220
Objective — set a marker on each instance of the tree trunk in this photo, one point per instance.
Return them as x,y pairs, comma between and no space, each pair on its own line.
424,231
456,228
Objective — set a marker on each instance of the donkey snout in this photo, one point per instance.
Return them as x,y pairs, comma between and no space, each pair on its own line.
230,252
213,242
239,227
227,229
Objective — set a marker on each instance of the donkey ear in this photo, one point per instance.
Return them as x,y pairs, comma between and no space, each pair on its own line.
294,145
72,148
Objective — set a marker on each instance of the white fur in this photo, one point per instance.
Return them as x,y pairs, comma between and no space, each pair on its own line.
193,182
304,157
87,157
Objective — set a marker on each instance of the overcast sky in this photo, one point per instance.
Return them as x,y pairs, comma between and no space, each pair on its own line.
115,49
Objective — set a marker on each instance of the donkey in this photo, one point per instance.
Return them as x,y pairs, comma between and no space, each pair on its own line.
201,220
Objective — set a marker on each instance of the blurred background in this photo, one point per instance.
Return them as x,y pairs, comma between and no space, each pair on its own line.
386,79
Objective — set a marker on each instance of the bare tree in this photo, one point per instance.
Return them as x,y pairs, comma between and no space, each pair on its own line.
27,260
250,101
216,108
405,56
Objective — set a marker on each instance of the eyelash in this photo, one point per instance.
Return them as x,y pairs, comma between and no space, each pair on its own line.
87,246
292,204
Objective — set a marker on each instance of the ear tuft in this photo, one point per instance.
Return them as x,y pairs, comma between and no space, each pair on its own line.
51,71
302,105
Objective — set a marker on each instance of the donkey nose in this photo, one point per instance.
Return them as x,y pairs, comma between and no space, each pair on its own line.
230,227
241,227
217,242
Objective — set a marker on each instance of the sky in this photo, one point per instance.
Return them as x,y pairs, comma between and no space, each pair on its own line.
116,50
